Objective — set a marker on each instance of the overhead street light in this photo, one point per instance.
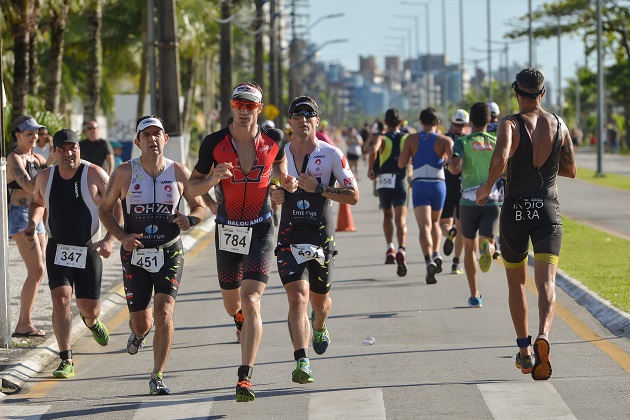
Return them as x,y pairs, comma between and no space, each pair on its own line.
321,18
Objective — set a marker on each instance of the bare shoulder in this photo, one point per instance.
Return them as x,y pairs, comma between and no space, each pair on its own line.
96,174
42,177
181,170
122,172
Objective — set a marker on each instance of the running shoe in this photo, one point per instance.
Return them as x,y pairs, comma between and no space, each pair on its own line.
402,263
321,339
65,369
244,391
475,302
448,244
497,254
238,320
135,343
302,373
390,255
456,269
438,263
156,385
431,270
525,363
485,260
541,370
100,333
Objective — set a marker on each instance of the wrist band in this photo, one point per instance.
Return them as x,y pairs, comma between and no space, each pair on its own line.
191,221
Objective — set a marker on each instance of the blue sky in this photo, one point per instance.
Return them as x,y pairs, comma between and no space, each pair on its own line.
368,27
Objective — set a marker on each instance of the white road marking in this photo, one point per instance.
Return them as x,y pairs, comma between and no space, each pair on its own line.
347,405
25,412
167,408
525,400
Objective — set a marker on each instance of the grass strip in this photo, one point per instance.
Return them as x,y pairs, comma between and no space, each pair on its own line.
608,180
598,260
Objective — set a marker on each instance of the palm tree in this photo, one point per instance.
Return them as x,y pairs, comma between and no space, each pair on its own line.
95,60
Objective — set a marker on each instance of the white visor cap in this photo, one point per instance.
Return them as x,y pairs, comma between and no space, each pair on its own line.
148,122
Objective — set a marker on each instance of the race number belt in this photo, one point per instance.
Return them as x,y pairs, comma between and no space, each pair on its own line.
235,238
305,252
386,181
71,256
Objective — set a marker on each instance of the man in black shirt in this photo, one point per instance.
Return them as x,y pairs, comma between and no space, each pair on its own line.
97,150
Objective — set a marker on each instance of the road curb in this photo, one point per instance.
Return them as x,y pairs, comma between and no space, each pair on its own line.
35,361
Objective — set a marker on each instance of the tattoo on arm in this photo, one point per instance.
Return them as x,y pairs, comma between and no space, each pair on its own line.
331,190
566,154
110,183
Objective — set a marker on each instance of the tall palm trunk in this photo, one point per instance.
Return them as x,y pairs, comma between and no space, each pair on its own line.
144,64
53,82
189,77
259,50
226,60
94,60
20,28
33,78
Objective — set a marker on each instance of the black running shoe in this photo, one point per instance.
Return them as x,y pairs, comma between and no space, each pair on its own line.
244,391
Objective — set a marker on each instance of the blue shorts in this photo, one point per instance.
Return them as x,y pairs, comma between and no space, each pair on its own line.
429,194
18,220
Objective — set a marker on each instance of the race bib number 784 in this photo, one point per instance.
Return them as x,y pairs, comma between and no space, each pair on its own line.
235,238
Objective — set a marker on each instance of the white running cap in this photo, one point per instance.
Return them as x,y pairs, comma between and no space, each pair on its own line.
148,122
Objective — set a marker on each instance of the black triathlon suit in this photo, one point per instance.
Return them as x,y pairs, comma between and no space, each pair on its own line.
453,190
531,208
149,208
72,221
392,194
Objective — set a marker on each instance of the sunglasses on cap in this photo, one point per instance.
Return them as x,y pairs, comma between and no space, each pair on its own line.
527,94
302,113
245,106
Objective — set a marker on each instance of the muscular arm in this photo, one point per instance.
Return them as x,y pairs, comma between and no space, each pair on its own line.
568,165
374,149
408,150
196,204
349,195
444,147
455,165
500,156
113,199
37,207
99,178
110,163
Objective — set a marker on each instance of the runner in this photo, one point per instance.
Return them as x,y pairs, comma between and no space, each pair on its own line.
306,245
471,158
450,222
68,195
392,186
150,189
535,146
428,150
237,160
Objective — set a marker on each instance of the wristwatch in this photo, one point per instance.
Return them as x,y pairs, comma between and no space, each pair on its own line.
319,189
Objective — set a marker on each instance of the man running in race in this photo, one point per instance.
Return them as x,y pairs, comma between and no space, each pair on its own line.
150,189
69,193
536,147
428,150
392,187
449,220
237,160
471,158
306,245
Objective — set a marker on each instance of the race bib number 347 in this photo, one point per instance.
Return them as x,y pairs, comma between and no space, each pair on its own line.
235,238
71,256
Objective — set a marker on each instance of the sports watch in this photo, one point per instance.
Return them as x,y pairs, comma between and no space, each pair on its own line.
319,189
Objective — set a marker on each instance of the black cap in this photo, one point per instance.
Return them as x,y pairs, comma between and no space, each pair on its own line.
65,135
392,115
303,101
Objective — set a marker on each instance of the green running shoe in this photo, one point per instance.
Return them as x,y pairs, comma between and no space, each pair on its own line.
486,251
100,333
244,391
156,385
65,369
321,339
303,373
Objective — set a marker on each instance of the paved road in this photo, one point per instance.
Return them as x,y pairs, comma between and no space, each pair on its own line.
433,356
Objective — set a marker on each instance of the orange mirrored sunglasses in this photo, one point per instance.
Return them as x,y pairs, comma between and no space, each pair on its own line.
249,106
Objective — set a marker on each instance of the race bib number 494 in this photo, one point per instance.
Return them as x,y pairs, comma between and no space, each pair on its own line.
235,238
151,259
71,256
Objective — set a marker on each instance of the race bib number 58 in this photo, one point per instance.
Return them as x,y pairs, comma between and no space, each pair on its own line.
71,256
386,181
235,238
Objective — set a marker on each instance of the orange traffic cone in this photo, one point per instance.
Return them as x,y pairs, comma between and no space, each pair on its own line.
344,220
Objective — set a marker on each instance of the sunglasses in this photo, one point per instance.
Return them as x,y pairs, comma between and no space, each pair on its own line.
242,106
303,113
91,128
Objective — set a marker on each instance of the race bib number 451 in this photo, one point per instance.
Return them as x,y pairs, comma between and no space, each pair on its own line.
151,259
71,256
235,238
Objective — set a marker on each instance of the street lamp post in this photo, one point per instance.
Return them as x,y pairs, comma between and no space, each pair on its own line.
428,41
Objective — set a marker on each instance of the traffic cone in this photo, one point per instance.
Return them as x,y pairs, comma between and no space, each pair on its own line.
344,220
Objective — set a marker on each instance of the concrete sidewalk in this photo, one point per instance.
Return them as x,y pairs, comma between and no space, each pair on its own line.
608,211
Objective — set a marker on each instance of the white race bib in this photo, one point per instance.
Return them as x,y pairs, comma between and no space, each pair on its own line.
151,259
71,256
305,252
235,238
386,181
